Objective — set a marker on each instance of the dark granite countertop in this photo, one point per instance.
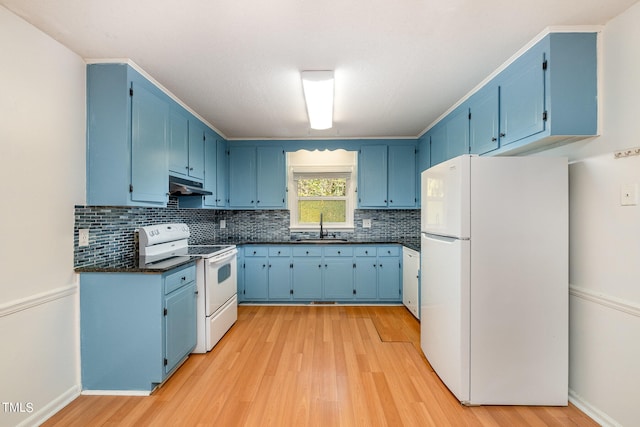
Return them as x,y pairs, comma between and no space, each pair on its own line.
330,241
131,265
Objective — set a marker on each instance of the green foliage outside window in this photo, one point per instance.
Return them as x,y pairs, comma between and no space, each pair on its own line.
322,195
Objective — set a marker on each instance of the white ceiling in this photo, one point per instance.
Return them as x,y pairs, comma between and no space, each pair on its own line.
399,64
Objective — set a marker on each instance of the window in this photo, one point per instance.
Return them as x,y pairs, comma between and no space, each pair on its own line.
316,190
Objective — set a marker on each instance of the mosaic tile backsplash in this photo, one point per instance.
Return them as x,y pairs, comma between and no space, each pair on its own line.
112,237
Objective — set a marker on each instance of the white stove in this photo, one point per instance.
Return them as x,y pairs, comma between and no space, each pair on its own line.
216,277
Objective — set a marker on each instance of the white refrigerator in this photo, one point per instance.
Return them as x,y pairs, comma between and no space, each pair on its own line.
494,278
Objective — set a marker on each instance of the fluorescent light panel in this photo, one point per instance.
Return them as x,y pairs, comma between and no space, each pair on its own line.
318,93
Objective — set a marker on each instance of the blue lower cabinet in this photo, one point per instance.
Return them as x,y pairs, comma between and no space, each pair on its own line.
338,279
135,329
256,277
307,278
304,273
280,278
366,273
389,273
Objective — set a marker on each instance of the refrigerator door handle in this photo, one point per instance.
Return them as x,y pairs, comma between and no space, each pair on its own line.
442,238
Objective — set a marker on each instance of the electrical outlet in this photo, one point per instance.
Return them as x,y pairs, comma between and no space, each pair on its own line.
223,224
366,223
629,194
83,237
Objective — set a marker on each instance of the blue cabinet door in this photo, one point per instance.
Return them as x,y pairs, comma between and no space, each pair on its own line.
210,169
389,273
438,144
240,273
457,130
307,278
271,177
222,173
279,278
338,279
150,127
424,153
242,177
178,142
522,92
372,171
402,176
196,149
180,325
365,273
256,278
483,122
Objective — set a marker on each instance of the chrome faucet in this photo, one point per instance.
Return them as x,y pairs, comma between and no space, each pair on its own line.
322,233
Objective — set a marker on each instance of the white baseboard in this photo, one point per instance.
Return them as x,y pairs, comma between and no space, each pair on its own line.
53,407
115,393
594,413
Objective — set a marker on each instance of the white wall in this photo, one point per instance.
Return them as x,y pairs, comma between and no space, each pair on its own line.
42,150
605,240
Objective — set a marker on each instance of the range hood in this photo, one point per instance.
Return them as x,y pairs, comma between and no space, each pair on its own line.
186,187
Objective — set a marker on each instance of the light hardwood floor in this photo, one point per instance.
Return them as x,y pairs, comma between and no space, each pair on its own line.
309,366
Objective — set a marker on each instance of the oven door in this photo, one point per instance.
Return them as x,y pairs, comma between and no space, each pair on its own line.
220,280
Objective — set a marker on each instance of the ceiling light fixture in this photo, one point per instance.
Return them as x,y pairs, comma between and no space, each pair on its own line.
318,94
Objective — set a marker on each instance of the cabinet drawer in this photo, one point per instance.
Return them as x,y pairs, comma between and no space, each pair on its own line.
250,251
338,251
389,251
283,251
307,251
179,278
365,251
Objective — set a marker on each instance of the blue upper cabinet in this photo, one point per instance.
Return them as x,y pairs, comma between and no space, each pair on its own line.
257,177
196,149
222,173
483,120
457,129
127,138
271,178
186,145
438,143
546,97
179,142
215,169
522,105
387,176
402,177
372,174
242,177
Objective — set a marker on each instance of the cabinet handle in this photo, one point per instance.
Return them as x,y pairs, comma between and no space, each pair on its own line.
385,200
339,252
307,252
254,252
264,265
186,167
380,265
269,265
325,266
196,292
502,134
252,202
375,265
494,139
319,265
258,201
183,278
190,169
